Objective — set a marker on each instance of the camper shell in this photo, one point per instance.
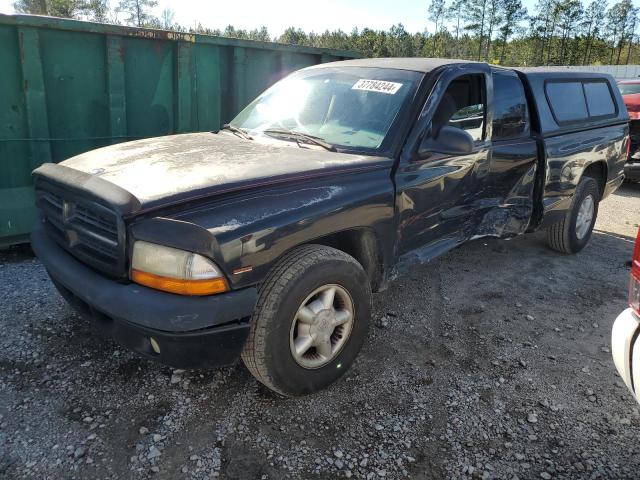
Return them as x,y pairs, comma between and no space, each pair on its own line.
568,101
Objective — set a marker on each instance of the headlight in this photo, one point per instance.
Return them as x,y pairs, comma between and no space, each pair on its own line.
175,271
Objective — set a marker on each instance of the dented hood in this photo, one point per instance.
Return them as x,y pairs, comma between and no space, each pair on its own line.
163,170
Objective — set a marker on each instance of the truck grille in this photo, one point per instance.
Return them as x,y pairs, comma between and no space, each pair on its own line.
90,231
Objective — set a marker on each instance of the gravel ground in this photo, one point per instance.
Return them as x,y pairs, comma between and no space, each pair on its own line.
491,362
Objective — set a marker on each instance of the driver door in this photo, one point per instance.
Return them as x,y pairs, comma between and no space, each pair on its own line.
439,192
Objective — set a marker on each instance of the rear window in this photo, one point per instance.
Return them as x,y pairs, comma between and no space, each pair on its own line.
579,101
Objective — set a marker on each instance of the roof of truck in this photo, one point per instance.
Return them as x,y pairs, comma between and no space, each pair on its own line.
424,65
559,72
415,64
536,79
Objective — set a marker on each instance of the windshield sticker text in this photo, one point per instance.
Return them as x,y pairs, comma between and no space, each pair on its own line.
377,86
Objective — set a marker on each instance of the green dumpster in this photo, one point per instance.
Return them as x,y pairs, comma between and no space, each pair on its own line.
68,86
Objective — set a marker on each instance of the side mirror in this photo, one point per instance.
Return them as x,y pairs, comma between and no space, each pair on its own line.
450,140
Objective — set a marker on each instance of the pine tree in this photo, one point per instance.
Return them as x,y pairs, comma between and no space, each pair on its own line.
138,11
475,14
619,20
493,18
454,13
437,10
593,22
570,12
33,7
294,36
166,18
53,8
513,13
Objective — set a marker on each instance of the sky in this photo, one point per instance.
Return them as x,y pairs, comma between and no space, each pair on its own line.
316,16
277,15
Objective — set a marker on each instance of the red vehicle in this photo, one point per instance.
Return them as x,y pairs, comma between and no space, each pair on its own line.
625,346
630,90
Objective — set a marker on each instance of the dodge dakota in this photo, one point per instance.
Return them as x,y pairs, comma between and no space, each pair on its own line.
265,240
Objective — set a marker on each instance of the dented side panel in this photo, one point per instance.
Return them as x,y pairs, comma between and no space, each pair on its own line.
438,196
509,193
253,229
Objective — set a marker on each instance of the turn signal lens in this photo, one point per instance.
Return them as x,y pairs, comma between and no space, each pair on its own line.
181,287
174,270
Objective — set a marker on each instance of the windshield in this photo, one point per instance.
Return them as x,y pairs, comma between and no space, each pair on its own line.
347,107
629,88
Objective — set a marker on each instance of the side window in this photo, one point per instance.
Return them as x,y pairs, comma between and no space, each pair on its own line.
463,106
574,102
510,111
599,99
566,100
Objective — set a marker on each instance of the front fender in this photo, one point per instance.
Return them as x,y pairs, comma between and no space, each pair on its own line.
251,231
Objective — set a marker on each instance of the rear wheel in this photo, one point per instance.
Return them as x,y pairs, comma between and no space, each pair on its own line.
572,233
310,321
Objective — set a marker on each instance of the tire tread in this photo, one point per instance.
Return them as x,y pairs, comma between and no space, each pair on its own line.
558,233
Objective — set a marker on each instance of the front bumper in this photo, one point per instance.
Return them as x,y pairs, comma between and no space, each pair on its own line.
626,349
191,331
632,170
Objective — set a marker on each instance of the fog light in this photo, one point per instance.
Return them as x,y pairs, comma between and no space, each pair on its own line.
154,345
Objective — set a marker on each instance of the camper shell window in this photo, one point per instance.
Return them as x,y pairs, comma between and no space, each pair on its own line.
579,100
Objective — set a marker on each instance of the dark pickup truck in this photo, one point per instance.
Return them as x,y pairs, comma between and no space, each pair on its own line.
265,239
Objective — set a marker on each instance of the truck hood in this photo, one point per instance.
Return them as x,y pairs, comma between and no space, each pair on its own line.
164,170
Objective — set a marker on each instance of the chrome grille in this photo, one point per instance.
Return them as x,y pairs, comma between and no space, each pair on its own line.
90,231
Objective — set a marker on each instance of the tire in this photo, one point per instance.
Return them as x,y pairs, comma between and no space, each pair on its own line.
277,321
566,235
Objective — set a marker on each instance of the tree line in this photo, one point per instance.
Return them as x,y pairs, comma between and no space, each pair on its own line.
557,32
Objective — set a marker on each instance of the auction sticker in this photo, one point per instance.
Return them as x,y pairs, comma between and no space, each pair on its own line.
381,86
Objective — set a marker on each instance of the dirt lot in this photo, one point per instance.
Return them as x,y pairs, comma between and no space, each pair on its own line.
491,362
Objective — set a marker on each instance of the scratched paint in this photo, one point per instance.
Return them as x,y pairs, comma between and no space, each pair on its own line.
296,200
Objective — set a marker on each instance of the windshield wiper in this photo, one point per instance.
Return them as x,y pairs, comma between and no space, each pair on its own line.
239,131
285,132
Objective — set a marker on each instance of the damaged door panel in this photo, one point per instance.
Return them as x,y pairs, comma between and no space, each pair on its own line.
438,192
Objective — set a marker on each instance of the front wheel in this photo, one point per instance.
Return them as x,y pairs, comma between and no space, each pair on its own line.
572,233
310,321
